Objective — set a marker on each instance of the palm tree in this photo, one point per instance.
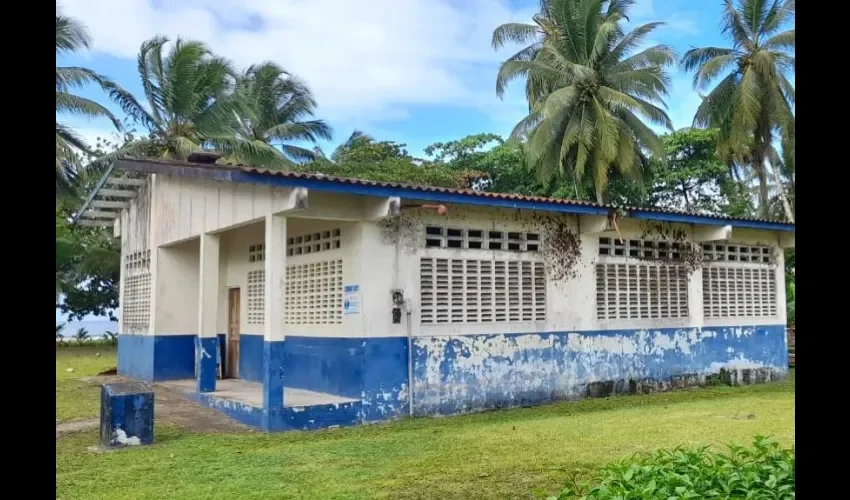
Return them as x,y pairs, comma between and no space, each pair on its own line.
357,139
72,36
191,106
279,102
588,92
754,98
82,335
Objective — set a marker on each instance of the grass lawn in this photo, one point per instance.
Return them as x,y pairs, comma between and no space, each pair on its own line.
498,455
76,400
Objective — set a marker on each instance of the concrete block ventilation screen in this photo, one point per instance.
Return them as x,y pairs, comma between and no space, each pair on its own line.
256,306
257,253
481,291
314,293
136,299
479,239
319,241
738,281
633,281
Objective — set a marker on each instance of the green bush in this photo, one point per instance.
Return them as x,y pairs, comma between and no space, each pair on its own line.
761,472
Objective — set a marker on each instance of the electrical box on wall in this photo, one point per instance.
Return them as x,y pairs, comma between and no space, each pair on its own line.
398,302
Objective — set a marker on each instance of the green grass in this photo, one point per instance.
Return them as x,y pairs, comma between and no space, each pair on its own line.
76,400
498,455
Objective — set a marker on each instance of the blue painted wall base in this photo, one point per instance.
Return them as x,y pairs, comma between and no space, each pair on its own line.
207,362
273,373
126,414
251,357
287,419
457,374
461,373
156,357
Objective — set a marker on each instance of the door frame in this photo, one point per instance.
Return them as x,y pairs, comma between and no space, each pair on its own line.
232,369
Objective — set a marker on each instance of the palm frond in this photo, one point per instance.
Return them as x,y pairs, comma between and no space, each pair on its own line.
312,131
787,40
630,41
514,33
80,106
71,35
735,26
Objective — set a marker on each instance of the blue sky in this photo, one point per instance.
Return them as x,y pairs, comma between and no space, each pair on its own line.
412,71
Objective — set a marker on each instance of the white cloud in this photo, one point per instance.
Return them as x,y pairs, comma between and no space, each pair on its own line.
89,131
363,61
676,24
683,101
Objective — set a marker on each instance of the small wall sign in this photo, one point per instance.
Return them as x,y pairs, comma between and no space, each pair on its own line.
351,299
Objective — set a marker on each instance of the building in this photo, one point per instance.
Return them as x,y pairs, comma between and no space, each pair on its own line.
297,301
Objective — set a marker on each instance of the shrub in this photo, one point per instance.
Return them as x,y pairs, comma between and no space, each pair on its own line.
763,471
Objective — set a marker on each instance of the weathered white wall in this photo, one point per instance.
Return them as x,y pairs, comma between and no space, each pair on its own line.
376,255
393,262
349,252
136,236
234,270
187,207
176,289
235,267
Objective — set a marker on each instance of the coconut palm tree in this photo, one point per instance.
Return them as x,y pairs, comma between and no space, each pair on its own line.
754,98
589,94
190,106
279,102
72,36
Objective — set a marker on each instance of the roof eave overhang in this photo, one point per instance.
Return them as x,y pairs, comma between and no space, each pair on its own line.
239,175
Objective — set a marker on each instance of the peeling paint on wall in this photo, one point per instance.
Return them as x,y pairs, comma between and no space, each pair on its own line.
455,374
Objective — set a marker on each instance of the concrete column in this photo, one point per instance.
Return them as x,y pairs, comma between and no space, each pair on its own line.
208,284
275,306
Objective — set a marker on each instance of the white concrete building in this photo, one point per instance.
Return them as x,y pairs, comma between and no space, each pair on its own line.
302,301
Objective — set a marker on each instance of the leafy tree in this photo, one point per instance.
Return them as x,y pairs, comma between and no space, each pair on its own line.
754,98
280,103
59,328
462,150
362,157
504,169
72,36
692,177
363,148
87,267
190,95
588,94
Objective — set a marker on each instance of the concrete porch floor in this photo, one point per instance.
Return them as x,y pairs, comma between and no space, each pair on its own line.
251,393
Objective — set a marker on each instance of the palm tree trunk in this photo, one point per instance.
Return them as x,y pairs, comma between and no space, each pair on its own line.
764,197
789,214
599,199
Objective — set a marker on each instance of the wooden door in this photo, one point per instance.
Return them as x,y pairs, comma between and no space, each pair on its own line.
233,309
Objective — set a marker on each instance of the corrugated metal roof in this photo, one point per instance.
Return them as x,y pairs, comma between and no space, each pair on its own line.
249,174
485,194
